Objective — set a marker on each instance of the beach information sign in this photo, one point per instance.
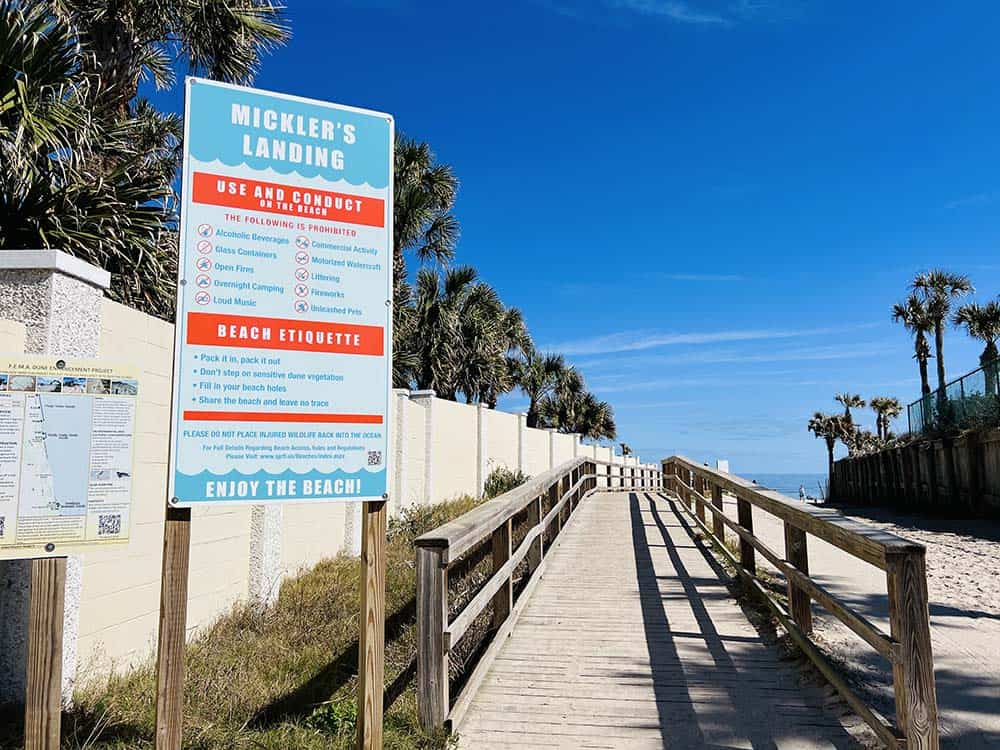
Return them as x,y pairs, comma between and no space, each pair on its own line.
67,448
282,367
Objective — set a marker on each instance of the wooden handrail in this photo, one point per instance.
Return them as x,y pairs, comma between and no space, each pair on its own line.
908,647
567,485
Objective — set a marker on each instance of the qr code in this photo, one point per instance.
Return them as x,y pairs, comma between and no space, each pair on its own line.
109,525
2,520
374,458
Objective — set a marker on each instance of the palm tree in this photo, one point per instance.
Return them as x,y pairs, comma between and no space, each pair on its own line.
829,427
127,42
886,409
983,322
85,165
55,191
424,193
849,401
538,375
938,289
576,410
915,317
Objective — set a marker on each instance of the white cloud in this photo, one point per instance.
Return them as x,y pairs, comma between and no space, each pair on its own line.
630,341
979,199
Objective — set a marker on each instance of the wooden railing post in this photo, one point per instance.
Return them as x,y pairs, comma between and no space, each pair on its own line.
913,673
718,525
699,485
553,499
796,552
43,699
744,514
537,548
432,619
503,600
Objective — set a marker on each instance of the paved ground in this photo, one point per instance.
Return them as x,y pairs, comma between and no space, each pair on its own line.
963,571
631,640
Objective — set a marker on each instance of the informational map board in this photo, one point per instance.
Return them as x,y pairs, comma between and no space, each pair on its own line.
67,445
282,361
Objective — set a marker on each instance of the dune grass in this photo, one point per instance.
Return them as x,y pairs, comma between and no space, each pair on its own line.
277,679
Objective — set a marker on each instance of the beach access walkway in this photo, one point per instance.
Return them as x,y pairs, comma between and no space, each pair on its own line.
632,640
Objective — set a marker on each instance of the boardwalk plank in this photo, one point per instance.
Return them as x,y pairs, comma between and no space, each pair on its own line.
631,640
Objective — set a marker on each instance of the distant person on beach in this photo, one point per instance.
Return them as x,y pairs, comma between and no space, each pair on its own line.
802,492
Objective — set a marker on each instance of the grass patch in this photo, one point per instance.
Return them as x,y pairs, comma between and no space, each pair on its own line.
275,679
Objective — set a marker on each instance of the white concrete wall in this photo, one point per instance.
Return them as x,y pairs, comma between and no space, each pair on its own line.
440,450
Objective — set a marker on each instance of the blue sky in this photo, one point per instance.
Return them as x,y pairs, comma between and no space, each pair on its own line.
709,206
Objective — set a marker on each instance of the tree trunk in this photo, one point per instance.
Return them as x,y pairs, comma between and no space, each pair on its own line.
532,420
939,346
925,386
829,465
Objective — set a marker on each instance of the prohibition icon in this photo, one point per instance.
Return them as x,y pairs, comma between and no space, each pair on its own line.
203,281
301,290
203,264
205,230
302,274
302,242
301,306
204,247
203,298
301,257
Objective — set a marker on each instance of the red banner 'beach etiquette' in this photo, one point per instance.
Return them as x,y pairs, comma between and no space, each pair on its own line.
213,329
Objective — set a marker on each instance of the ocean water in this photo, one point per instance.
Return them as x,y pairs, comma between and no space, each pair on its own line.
788,484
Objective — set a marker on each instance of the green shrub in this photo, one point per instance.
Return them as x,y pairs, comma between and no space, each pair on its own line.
502,480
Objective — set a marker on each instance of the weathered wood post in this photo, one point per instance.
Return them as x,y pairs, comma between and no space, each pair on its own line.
718,526
744,513
535,551
432,619
699,486
503,600
371,646
913,673
43,698
173,629
797,554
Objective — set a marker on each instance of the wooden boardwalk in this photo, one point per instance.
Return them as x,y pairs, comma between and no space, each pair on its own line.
631,640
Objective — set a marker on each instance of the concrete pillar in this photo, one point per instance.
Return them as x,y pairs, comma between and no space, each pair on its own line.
426,400
58,298
576,444
264,579
482,449
522,442
552,446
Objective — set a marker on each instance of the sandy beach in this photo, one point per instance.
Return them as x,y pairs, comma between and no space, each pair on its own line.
963,577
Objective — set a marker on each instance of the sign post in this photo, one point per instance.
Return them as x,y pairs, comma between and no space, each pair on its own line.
283,342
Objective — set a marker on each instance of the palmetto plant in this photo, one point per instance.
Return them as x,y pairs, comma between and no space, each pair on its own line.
130,41
829,428
459,337
850,401
538,375
576,410
983,322
56,190
886,409
938,289
916,318
87,167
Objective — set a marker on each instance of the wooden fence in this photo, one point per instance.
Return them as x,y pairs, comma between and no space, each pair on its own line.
955,475
512,531
907,646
